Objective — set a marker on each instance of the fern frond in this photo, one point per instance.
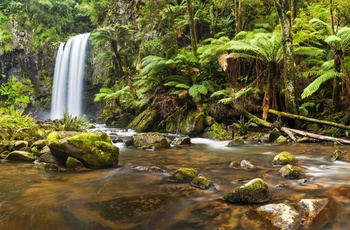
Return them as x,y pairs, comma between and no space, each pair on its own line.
316,84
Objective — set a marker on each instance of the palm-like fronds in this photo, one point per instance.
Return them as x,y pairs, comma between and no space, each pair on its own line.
316,84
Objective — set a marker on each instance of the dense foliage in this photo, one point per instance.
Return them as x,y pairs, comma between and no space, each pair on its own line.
143,52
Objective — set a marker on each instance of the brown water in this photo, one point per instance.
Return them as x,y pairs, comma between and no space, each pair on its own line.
125,198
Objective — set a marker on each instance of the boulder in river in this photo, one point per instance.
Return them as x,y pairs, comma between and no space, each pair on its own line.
202,182
254,192
183,175
94,150
284,158
152,140
21,156
291,172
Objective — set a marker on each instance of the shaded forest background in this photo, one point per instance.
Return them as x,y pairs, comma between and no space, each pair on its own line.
216,57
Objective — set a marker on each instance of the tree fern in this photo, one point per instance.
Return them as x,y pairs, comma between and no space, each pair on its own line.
316,84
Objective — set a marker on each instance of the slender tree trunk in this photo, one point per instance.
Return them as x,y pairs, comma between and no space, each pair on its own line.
284,13
238,17
336,82
192,26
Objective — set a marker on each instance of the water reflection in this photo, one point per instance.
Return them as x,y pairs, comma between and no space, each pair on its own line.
128,198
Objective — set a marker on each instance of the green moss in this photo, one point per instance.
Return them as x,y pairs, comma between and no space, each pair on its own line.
255,191
53,137
87,140
183,175
73,163
284,158
202,182
290,172
217,132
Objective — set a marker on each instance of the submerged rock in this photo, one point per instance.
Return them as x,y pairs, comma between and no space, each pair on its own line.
152,169
183,175
339,154
94,150
284,158
316,212
254,192
291,172
186,140
282,216
202,182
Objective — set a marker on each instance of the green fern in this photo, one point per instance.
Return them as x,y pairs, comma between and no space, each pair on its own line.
316,84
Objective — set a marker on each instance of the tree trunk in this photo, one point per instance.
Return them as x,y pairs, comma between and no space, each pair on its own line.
299,117
336,82
284,13
290,131
192,26
238,16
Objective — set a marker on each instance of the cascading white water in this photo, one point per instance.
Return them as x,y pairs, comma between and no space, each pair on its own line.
68,77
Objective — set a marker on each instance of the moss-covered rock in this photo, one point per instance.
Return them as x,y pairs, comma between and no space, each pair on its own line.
74,164
144,121
183,175
274,134
202,182
21,156
291,172
254,192
193,124
284,158
150,140
94,150
216,132
281,140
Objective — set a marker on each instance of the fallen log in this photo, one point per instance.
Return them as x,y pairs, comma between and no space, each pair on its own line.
299,117
290,131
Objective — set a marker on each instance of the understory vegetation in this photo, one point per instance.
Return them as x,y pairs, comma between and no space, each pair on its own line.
215,57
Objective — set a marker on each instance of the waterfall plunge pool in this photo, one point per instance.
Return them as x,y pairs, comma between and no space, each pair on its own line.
127,198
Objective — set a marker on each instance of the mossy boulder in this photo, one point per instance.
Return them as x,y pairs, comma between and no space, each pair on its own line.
94,150
202,182
74,164
254,192
183,175
216,132
284,158
291,172
144,121
191,124
281,140
21,156
150,140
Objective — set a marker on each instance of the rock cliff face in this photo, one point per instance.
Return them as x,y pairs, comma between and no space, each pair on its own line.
24,61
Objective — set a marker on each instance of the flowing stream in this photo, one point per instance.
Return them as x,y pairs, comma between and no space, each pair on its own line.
130,198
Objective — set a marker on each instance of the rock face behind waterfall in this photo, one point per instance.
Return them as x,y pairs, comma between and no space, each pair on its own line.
93,150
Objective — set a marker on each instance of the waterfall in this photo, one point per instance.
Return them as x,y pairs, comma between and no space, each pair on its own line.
67,88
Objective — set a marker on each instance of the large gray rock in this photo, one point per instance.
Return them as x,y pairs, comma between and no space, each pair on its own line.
150,140
282,216
93,150
254,192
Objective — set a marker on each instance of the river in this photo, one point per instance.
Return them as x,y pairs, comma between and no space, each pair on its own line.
130,198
